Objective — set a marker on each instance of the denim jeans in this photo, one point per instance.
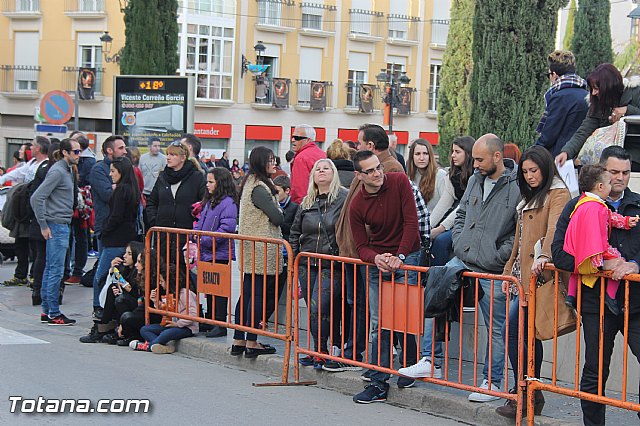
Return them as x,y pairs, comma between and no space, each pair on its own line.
357,306
499,316
377,377
251,305
107,254
56,250
155,333
319,305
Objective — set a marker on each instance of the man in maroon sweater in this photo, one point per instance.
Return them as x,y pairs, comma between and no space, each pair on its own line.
384,224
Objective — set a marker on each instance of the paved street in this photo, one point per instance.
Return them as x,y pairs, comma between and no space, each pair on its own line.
39,360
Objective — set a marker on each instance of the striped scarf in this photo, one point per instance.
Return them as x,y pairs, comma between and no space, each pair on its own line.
567,81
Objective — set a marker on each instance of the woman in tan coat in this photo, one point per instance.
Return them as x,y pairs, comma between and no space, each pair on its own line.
544,195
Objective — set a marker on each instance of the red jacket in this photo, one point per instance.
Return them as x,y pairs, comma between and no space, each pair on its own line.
301,170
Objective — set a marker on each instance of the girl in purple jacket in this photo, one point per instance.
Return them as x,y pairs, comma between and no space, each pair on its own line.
219,214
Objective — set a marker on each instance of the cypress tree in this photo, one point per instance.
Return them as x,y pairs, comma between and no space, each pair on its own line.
591,43
511,41
454,104
568,34
151,31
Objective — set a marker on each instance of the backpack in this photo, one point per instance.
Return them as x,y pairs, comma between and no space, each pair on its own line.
21,206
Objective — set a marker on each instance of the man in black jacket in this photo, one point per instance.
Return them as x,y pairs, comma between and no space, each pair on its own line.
626,202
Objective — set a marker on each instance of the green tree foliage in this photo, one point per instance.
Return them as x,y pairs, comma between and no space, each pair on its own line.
454,104
592,35
511,41
629,57
568,34
151,31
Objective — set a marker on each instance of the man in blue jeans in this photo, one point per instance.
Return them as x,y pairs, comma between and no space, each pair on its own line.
384,224
53,204
483,234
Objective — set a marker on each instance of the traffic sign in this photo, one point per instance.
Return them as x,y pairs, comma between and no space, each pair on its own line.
57,107
51,128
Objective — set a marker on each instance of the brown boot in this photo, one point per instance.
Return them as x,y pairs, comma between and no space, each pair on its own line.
510,408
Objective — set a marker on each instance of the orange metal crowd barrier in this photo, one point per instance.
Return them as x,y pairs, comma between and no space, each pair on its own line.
401,312
573,389
214,279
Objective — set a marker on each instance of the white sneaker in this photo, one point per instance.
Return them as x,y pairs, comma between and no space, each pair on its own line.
336,351
483,397
421,369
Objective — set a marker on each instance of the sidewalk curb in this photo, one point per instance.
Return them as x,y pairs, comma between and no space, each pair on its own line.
421,399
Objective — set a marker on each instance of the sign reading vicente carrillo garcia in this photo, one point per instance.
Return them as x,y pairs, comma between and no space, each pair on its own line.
153,106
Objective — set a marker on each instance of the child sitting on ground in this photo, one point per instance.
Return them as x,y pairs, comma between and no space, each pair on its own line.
157,337
587,237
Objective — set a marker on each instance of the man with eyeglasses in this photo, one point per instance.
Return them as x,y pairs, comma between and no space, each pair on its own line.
306,155
384,224
565,102
53,204
101,188
626,202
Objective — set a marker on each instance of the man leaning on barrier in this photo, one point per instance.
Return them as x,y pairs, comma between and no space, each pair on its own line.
626,202
384,224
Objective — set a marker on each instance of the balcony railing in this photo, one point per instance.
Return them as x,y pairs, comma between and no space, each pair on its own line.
316,95
70,80
21,79
318,17
439,32
356,99
21,6
404,28
84,6
272,91
276,13
366,23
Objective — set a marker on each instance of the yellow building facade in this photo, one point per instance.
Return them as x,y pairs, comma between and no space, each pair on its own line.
322,58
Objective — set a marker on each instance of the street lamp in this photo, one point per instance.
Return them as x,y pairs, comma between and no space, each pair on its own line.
392,82
257,68
106,41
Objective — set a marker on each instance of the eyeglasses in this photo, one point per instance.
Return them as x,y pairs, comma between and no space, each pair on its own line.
299,138
378,168
76,151
180,145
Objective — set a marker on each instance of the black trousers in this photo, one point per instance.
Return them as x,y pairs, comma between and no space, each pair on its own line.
593,413
40,248
22,253
115,306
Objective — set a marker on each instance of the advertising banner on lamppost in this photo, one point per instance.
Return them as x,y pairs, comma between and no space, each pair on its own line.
404,100
148,107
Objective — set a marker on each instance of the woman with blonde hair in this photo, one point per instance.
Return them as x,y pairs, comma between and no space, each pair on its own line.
313,230
423,170
340,155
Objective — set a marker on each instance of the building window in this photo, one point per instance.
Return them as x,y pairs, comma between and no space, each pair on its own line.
434,85
218,8
90,6
27,5
312,16
354,80
209,57
91,57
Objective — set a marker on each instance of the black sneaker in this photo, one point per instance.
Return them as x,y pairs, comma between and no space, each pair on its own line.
336,367
372,393
61,320
216,331
366,376
110,338
318,363
307,361
44,318
406,382
94,335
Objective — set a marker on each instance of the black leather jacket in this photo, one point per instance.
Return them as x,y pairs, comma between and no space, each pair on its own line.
313,229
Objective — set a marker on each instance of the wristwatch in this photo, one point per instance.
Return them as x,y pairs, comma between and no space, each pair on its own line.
402,257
